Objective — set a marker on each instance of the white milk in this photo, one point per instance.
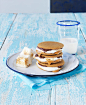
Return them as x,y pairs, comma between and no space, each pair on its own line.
70,45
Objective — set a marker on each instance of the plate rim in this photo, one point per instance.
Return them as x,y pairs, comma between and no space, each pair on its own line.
34,74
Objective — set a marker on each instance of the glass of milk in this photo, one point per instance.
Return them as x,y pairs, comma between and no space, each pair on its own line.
68,34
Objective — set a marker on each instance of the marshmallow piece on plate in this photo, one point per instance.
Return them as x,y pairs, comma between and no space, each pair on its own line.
26,51
25,58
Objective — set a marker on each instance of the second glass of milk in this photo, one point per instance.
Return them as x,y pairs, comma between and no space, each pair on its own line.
68,34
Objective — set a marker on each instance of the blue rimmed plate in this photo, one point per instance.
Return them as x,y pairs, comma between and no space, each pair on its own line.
71,62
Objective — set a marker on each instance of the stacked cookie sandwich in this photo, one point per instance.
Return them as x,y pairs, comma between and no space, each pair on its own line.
49,56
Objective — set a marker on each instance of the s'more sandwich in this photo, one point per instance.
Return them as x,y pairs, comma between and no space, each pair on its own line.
49,56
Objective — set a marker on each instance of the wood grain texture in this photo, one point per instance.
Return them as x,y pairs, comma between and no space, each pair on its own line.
77,88
6,21
82,18
77,82
82,40
62,95
28,30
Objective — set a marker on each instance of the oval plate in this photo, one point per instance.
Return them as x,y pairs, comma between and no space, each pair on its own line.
71,62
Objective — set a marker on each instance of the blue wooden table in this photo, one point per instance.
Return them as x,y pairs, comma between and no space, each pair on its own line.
19,30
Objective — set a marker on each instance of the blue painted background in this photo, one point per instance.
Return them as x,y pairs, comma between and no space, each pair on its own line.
67,6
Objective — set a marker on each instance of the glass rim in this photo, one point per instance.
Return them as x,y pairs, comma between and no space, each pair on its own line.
76,23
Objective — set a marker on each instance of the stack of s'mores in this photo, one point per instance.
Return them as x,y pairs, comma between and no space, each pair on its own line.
49,56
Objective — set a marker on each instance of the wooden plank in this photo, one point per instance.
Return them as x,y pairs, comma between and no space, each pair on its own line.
13,92
31,31
76,82
77,89
81,49
60,93
6,21
82,18
40,98
71,88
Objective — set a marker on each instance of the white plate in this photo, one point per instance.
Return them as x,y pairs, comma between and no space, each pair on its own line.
71,62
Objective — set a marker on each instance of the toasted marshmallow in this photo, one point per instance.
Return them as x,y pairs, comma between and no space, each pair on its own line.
46,59
24,61
26,51
49,52
25,58
48,68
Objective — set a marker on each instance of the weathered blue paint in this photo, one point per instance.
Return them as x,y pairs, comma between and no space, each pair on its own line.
5,24
29,30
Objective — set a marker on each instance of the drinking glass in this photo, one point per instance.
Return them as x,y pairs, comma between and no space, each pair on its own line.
68,35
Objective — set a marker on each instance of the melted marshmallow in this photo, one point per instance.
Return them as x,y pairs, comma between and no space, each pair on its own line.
44,59
26,51
48,68
51,51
